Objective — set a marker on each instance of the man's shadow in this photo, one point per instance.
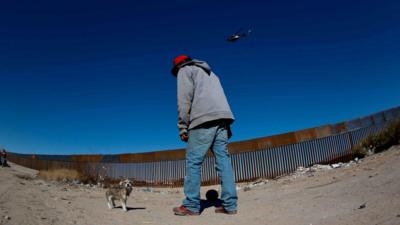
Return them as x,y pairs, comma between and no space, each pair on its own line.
211,200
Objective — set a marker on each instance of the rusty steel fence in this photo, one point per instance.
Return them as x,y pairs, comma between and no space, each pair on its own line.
266,157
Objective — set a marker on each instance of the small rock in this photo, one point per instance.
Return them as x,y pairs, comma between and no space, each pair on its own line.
347,165
147,190
362,206
300,168
259,181
336,165
43,218
76,182
311,170
398,215
321,167
7,217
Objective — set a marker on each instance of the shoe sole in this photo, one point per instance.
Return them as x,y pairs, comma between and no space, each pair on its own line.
178,213
186,214
227,212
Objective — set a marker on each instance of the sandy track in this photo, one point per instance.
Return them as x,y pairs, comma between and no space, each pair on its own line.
327,197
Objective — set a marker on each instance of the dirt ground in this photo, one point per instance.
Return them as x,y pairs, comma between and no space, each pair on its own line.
364,193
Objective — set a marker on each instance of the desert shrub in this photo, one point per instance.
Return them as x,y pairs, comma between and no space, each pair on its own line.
94,173
109,182
383,140
359,151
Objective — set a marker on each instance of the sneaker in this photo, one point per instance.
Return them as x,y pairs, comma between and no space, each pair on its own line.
183,211
223,210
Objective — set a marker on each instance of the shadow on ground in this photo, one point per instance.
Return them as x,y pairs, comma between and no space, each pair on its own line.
211,200
130,208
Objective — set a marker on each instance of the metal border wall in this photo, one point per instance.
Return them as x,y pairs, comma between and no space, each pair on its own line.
252,159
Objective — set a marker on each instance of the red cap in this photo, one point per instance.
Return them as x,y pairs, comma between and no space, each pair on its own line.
180,59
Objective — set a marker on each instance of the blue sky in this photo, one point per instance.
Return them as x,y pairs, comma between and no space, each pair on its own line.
94,76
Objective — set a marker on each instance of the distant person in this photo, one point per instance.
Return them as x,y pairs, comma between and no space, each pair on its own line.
204,123
3,158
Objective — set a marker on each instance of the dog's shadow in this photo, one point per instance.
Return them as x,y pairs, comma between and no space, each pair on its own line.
129,208
211,200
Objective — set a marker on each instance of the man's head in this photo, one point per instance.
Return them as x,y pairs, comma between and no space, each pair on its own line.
178,62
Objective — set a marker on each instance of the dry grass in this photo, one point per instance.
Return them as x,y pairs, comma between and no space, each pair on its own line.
60,175
69,175
380,142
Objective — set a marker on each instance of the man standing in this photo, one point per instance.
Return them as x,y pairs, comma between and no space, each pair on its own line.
204,123
3,158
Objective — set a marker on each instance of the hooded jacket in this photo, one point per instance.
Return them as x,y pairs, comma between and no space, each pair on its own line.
200,96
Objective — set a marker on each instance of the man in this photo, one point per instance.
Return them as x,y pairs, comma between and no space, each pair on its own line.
204,123
3,158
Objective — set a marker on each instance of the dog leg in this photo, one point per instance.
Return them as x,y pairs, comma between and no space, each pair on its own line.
123,203
110,202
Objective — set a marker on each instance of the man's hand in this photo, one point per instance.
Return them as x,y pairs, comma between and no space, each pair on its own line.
184,137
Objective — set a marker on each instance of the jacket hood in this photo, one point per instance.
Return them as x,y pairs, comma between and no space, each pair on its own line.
194,62
202,64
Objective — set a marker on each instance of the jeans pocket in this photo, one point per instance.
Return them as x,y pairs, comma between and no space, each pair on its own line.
201,135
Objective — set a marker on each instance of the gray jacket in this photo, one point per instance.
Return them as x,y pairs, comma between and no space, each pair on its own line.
200,97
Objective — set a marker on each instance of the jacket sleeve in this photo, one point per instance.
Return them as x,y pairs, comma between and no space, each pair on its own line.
185,97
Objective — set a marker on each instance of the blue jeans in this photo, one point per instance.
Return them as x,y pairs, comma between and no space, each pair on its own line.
200,140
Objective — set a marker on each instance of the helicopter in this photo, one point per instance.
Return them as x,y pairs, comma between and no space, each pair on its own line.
239,34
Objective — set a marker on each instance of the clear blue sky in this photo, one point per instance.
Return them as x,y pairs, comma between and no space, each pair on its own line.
94,77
